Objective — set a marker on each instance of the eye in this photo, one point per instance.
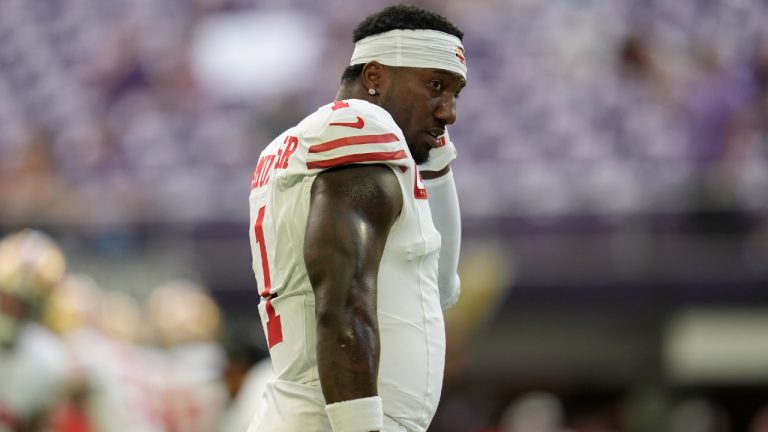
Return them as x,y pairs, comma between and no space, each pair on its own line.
436,84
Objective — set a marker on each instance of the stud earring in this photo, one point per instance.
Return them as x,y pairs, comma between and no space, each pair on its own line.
371,91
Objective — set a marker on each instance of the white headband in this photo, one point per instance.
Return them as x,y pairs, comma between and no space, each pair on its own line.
413,48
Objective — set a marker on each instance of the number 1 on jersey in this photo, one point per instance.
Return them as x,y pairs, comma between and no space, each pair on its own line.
274,326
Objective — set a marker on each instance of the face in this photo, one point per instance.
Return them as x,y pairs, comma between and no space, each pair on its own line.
422,102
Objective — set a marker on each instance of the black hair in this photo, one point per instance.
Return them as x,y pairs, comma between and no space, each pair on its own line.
398,17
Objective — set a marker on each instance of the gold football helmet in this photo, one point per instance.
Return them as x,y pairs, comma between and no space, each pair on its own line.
75,303
181,311
121,317
31,264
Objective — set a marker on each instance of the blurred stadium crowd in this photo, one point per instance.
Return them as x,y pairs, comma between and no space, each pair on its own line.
125,122
586,107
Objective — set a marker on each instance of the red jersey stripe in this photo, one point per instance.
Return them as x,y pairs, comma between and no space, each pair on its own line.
353,140
357,158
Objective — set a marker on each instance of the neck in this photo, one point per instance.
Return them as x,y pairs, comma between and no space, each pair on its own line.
354,90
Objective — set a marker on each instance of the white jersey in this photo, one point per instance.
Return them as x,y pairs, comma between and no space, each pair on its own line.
123,381
411,327
33,375
194,394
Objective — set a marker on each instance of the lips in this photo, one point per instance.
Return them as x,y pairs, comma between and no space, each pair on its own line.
435,135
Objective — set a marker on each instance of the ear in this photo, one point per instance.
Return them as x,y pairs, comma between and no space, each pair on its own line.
373,76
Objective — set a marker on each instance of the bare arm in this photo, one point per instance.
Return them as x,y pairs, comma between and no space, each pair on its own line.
351,212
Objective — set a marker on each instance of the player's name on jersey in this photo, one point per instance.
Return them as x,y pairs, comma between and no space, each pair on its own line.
267,162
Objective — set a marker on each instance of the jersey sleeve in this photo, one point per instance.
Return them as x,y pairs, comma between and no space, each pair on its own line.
350,136
440,157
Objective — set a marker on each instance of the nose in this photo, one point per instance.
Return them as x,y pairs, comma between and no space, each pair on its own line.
446,110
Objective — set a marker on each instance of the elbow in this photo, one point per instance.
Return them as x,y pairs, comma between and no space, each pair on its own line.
341,316
346,322
450,290
351,337
341,304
